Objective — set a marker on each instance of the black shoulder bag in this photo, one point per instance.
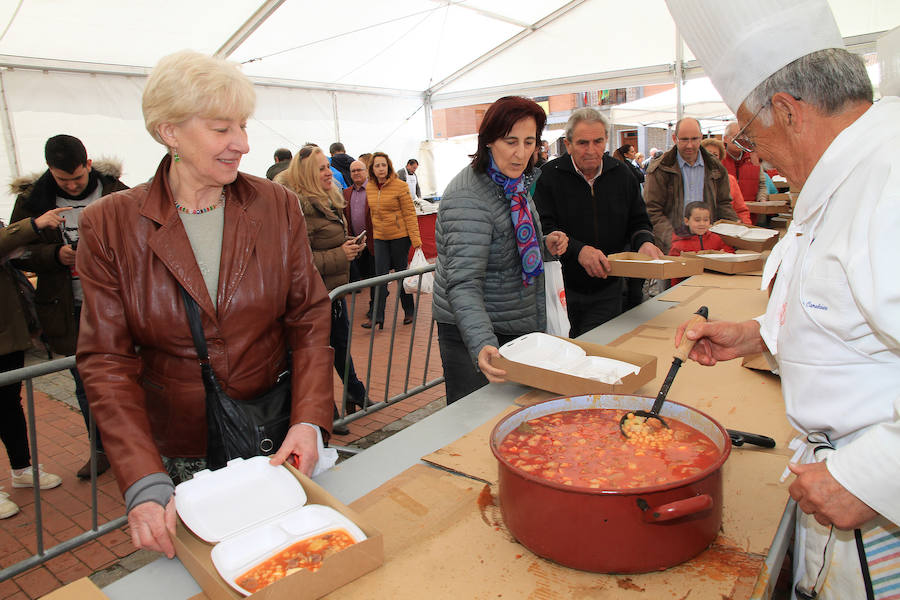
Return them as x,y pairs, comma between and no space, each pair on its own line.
235,429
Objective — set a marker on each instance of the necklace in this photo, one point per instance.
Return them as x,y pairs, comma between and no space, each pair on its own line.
200,211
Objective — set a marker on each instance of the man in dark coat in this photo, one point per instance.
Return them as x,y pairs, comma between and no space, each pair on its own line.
596,201
71,180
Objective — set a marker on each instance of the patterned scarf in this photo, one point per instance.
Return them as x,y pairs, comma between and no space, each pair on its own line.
526,235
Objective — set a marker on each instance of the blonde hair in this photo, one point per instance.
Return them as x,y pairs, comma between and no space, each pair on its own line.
188,84
302,177
715,143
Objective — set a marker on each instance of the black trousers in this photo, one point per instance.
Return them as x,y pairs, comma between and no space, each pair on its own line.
13,428
392,254
461,377
363,267
340,333
587,311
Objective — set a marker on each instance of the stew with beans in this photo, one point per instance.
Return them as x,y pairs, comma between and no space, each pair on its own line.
305,554
584,448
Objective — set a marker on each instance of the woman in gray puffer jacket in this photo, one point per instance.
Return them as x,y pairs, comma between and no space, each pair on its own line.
489,282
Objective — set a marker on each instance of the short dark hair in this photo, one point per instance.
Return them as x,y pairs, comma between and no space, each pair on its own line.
336,148
692,206
499,121
283,154
390,165
65,152
412,161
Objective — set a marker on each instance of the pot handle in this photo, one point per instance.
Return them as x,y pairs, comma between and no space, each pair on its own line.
677,509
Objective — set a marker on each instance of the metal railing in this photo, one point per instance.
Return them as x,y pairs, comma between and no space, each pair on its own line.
352,291
28,373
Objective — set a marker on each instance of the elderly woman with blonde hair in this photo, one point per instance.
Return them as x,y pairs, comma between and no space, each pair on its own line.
237,245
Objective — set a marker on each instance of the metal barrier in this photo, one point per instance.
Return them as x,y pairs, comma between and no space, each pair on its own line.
351,290
27,374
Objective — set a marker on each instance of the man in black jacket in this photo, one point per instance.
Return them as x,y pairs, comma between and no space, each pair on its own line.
597,202
71,180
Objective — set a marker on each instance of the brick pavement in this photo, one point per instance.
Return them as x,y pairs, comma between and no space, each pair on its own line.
63,448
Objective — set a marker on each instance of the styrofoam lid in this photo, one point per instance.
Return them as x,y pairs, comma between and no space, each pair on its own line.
217,504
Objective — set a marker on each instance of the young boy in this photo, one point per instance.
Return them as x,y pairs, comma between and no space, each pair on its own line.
695,234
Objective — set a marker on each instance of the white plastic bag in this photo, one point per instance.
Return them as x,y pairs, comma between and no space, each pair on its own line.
557,317
411,283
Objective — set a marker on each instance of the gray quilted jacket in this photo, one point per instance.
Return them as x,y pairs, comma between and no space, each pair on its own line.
478,275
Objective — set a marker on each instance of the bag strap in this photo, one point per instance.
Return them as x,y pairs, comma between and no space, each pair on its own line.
193,314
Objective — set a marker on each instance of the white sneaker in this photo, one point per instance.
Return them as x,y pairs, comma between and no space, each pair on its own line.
7,507
24,478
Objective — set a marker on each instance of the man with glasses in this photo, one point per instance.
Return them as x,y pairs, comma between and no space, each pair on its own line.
686,173
359,222
740,164
832,323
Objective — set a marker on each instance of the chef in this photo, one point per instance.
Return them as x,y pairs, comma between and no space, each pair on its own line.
832,324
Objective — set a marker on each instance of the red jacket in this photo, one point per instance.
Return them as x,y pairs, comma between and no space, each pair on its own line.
747,175
685,241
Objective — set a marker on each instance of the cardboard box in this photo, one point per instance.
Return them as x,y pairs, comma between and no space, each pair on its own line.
776,204
622,265
570,385
721,266
336,570
742,244
80,589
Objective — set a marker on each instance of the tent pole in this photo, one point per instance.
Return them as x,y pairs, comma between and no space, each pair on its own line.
429,125
679,74
9,137
334,112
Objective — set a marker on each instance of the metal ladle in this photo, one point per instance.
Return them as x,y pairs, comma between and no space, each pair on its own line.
681,353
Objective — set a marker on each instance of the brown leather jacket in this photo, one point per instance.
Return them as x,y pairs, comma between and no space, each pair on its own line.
135,351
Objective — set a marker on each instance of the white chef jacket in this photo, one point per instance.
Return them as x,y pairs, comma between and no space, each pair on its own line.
833,321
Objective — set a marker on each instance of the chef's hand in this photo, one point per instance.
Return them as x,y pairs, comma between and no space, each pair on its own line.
721,340
493,374
819,494
152,527
51,218
594,262
650,249
66,255
300,440
557,243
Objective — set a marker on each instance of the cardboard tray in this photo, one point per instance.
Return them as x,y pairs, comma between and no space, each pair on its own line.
676,266
337,570
742,244
570,385
720,266
776,205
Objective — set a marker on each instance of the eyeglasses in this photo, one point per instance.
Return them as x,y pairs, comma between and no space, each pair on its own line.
740,139
689,140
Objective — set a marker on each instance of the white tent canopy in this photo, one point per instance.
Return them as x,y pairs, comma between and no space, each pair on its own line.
366,73
698,97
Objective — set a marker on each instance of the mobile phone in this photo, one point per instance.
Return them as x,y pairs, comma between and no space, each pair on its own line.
358,239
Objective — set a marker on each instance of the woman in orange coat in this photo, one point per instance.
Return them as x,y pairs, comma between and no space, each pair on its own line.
395,229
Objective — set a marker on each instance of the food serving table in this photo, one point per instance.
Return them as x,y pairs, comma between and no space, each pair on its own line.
443,534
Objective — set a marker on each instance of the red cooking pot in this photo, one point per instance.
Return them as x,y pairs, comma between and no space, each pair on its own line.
613,531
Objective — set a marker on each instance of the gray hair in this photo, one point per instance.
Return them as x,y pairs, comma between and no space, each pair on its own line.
733,127
585,115
827,79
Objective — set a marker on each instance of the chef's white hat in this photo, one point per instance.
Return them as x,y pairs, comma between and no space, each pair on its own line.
740,45
889,61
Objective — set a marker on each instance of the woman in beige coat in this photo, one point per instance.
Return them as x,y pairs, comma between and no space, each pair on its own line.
322,203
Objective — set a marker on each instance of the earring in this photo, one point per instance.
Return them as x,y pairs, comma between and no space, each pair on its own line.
175,156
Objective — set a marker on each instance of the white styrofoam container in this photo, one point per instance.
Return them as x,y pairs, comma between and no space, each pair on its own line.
252,510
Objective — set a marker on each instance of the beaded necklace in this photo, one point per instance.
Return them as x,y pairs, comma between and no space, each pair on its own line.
200,211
